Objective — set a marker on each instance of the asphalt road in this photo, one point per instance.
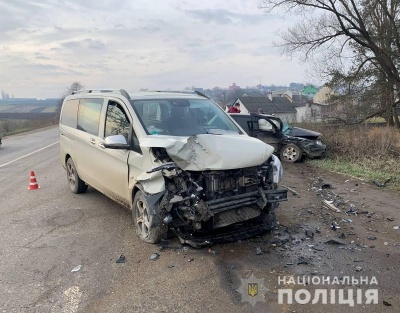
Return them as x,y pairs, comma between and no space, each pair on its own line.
46,233
49,231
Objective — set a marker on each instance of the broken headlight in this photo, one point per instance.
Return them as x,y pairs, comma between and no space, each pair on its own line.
277,169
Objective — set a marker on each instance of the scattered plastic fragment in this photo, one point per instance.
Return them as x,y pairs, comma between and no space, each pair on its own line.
154,256
76,269
121,259
212,251
171,266
390,219
358,268
386,303
371,238
330,205
318,248
334,242
335,226
302,260
309,234
326,186
190,260
381,184
396,227
258,251
294,192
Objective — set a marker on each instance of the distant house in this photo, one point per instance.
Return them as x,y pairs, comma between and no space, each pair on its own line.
279,106
309,91
234,87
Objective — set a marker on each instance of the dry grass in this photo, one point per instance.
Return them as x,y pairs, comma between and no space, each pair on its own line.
364,151
11,126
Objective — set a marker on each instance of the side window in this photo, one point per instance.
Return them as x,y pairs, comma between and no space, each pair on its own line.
266,125
244,123
89,115
69,113
117,123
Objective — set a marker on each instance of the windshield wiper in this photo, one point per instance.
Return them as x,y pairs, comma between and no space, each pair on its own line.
218,131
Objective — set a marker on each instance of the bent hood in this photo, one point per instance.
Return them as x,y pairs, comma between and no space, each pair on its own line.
218,152
301,132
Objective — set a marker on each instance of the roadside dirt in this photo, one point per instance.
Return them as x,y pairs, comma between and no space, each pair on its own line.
364,244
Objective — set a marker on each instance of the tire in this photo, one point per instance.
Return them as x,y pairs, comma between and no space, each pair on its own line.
291,153
76,184
148,226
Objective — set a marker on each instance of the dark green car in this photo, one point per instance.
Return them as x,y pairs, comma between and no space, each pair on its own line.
290,143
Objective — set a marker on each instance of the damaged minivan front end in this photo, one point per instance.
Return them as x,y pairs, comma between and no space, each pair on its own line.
209,188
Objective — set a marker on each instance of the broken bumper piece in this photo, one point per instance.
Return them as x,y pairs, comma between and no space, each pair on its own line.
235,218
227,234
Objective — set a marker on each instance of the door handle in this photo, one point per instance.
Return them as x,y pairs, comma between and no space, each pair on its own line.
101,145
92,141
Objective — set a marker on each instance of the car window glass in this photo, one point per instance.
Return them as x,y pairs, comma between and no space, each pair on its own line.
117,122
69,113
265,125
286,128
89,115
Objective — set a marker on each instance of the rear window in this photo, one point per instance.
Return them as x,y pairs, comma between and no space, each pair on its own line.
69,113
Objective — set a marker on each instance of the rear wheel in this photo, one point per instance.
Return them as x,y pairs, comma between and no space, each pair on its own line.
291,153
76,184
148,226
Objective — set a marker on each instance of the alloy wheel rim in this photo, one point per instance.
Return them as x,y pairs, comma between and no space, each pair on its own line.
71,174
142,219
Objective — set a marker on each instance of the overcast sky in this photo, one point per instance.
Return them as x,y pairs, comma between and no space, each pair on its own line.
157,44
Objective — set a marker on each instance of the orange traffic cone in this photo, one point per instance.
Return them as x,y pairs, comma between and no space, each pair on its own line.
32,182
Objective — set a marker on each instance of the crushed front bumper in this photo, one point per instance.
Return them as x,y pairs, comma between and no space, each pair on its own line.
247,225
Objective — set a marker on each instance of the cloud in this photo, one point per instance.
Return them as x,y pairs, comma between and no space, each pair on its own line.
135,44
84,44
224,17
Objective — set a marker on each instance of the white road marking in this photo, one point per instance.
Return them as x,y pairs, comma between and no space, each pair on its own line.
29,154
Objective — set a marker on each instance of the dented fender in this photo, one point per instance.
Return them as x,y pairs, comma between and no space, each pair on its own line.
151,183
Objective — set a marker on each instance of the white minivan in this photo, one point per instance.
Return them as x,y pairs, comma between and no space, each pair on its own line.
175,158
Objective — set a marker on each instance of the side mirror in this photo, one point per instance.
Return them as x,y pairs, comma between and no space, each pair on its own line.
116,142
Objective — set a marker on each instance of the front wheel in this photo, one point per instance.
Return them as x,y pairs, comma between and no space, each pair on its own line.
148,226
76,184
291,153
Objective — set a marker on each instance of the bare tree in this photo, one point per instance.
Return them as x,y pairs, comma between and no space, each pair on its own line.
364,31
75,86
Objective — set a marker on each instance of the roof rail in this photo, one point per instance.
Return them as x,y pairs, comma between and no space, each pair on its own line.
201,94
120,91
190,92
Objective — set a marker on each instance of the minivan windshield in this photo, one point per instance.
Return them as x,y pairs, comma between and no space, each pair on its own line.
183,117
